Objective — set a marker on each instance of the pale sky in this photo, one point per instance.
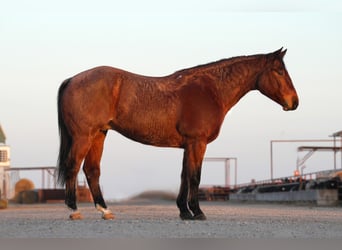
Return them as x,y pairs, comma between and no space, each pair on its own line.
43,43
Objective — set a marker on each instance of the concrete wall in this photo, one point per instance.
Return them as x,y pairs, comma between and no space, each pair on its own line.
324,197
327,197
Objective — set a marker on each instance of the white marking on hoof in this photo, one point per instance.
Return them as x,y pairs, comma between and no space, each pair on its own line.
106,213
76,215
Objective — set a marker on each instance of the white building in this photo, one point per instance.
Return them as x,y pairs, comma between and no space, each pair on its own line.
4,164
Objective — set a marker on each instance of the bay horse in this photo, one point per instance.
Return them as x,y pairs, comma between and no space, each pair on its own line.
182,110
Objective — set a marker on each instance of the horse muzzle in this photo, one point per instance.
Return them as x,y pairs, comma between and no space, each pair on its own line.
292,104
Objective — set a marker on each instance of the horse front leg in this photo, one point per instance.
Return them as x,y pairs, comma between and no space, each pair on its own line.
182,199
92,171
191,176
196,154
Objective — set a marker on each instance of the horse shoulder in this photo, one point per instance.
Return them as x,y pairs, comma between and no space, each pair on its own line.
201,110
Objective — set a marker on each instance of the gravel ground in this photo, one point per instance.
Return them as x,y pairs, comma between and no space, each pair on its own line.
159,219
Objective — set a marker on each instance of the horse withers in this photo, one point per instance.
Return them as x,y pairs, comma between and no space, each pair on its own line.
183,110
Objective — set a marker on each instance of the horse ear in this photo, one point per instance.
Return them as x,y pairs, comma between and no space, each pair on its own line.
279,53
282,53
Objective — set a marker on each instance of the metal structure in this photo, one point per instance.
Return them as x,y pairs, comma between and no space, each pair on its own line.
227,161
335,135
311,149
272,142
48,175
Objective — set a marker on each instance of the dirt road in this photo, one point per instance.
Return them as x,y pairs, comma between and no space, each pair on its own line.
159,219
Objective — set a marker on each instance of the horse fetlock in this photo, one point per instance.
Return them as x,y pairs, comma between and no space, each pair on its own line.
106,213
194,207
186,216
198,214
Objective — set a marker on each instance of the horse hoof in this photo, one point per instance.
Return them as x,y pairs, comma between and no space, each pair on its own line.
186,216
108,216
76,216
199,217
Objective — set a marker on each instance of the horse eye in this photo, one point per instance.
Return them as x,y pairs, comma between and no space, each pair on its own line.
280,71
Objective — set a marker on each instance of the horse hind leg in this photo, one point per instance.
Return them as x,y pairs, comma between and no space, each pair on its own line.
92,171
78,151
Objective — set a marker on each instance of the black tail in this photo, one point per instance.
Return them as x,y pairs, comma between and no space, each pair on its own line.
65,138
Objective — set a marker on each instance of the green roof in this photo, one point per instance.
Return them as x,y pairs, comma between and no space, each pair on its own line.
2,136
337,134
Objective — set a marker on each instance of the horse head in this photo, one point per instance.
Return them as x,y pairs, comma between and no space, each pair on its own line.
275,82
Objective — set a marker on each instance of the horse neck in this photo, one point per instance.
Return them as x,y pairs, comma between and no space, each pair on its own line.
238,78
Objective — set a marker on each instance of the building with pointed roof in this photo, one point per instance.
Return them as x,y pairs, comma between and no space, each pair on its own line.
2,136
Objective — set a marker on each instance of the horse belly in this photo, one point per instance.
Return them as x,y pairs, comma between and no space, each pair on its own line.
156,130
